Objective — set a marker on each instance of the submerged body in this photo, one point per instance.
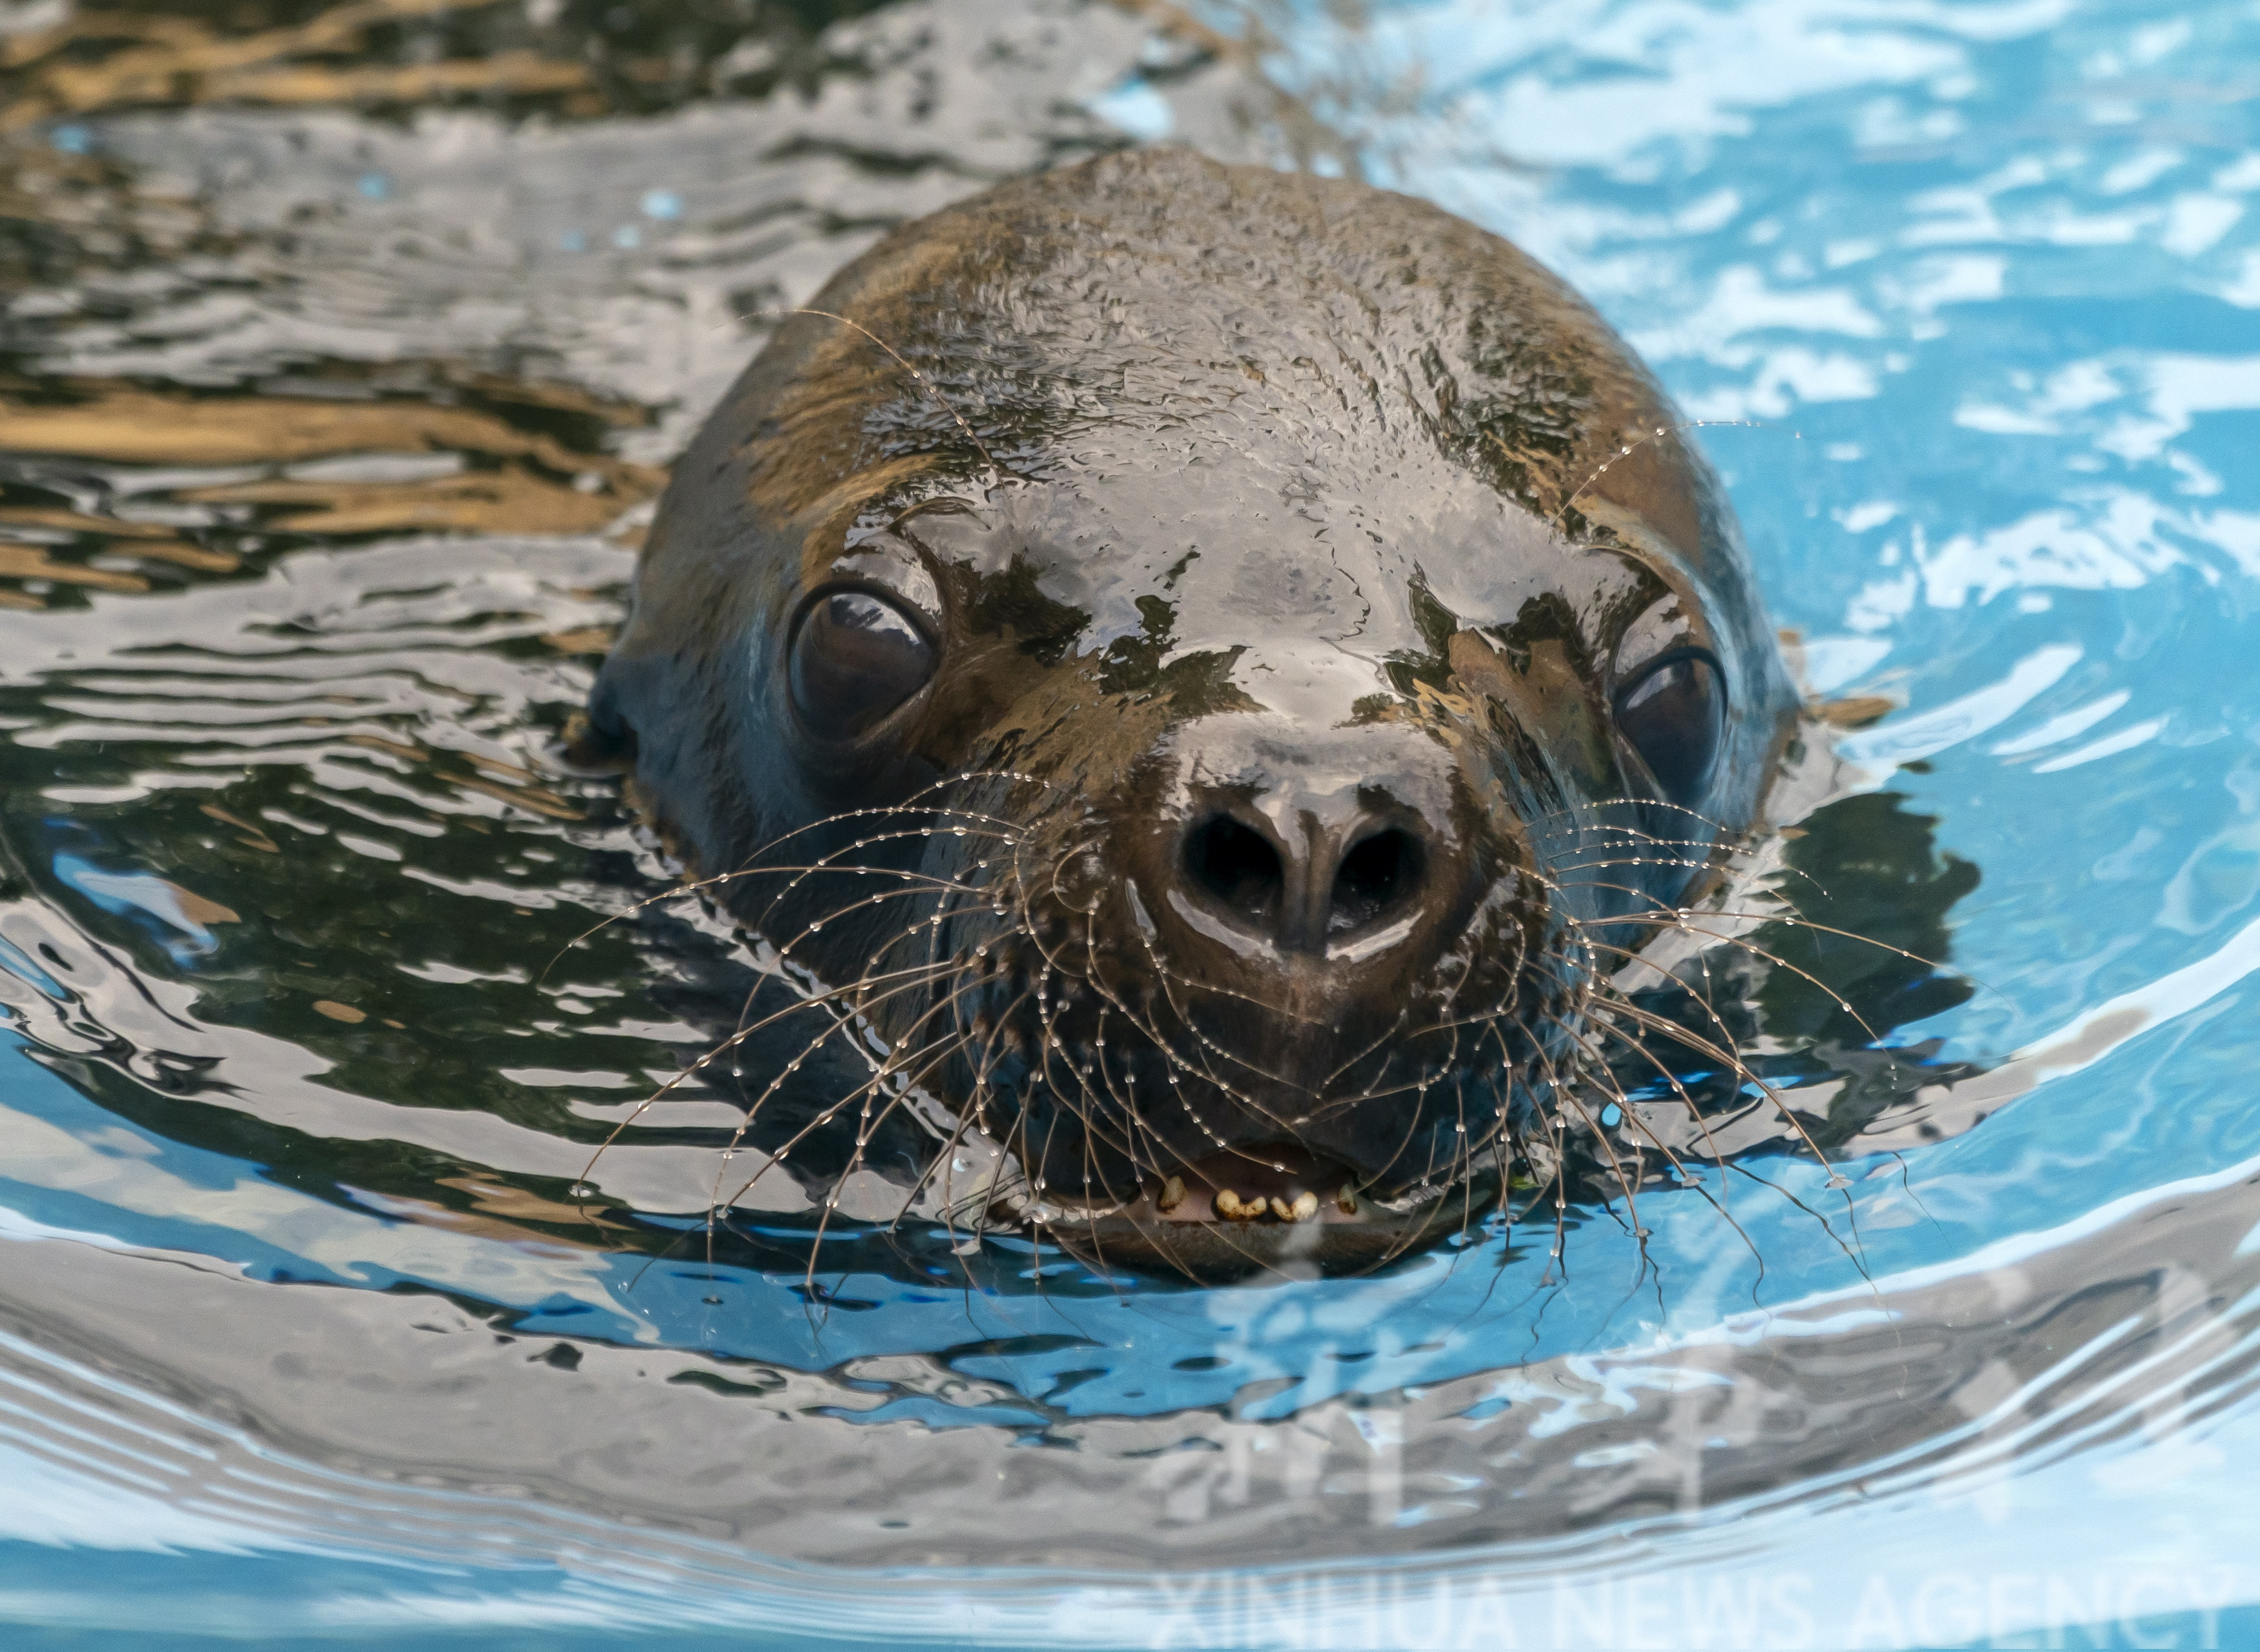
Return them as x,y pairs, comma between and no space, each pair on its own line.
1204,670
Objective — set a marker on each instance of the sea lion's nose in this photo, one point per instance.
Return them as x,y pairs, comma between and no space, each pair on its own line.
1290,877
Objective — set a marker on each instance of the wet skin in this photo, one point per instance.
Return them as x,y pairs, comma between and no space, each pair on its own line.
1231,753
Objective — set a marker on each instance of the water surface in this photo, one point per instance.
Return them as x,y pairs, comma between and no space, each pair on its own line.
345,350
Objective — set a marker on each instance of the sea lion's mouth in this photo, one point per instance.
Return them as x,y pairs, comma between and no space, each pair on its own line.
1258,1185
1280,1211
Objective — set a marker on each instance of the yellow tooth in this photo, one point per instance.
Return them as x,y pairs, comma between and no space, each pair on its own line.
1305,1207
1173,1194
1346,1201
1228,1205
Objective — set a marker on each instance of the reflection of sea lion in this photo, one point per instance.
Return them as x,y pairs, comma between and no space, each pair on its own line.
1233,694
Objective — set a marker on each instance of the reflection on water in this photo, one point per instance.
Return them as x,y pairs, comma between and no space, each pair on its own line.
345,348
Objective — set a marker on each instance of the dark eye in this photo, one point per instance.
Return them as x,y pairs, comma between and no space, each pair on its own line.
1675,716
855,657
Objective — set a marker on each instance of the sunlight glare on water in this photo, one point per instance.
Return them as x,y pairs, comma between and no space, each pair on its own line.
345,351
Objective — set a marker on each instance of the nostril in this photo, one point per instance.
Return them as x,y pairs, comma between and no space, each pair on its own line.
1377,872
1237,866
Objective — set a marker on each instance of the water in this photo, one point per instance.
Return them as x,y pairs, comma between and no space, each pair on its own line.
342,362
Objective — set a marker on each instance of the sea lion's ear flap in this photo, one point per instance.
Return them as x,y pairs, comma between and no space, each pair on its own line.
600,737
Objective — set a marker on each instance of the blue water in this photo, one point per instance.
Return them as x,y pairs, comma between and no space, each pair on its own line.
1968,296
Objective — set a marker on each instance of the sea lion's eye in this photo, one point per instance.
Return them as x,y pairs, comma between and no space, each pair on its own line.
855,657
1674,714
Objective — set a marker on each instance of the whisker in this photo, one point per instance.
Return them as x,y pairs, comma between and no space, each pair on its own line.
734,1042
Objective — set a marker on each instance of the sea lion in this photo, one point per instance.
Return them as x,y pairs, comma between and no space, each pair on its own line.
1204,673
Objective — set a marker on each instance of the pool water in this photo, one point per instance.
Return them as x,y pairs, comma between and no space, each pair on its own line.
344,351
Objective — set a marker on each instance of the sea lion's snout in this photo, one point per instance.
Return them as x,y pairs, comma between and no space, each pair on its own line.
1275,983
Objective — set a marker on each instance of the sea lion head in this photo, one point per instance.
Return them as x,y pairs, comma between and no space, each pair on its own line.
1209,666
